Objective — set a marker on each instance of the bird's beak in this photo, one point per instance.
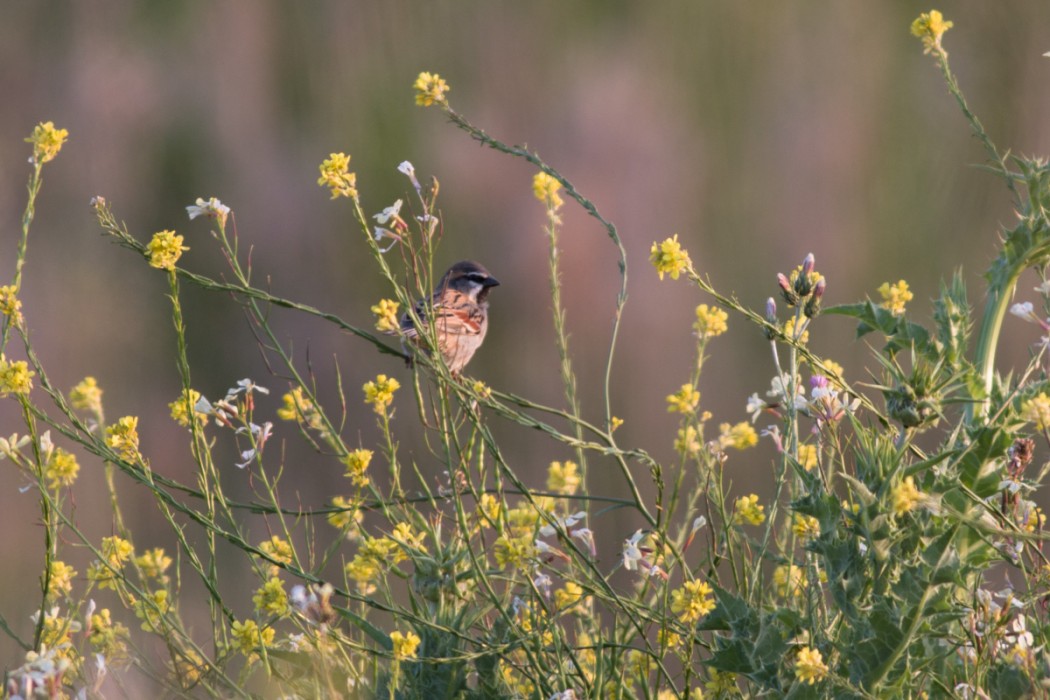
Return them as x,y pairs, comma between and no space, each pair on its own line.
490,282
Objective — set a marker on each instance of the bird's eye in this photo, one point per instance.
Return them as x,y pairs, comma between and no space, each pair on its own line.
477,277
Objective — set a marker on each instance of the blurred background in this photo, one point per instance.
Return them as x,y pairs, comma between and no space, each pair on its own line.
757,132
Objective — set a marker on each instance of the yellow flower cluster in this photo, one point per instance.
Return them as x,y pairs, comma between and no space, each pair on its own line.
47,141
790,332
546,187
790,580
61,469
404,645
86,396
805,527
15,377
356,465
123,438
153,563
930,27
349,514
895,297
165,249
669,258
748,509
430,89
568,595
107,637
60,580
386,316
10,306
688,441
183,407
271,599
685,400
563,477
810,666
740,436
512,552
906,496
807,456
336,176
1037,410
710,321
249,637
692,601
380,393
279,550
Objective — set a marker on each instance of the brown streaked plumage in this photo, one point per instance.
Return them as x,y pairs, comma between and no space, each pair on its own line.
460,303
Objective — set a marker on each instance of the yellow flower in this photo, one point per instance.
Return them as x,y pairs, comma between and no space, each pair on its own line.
152,609
563,478
1037,410
123,438
153,563
895,296
47,141
271,598
165,249
380,393
108,637
512,552
363,570
86,396
249,637
336,176
15,377
807,456
61,578
710,321
789,331
183,407
568,595
669,258
930,27
279,550
404,645
430,89
692,601
684,400
748,509
740,436
481,389
489,508
810,666
688,441
407,538
721,682
789,580
10,306
344,518
61,469
546,187
906,496
834,372
386,316
356,464
805,527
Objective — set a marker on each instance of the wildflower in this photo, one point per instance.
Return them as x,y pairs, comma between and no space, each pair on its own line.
336,176
406,168
688,441
278,550
107,637
15,377
211,208
805,527
563,478
116,550
748,509
930,27
669,258
61,468
86,396
408,539
10,306
363,570
404,645
153,563
906,496
356,464
546,187
249,637
692,601
586,535
60,578
721,682
789,580
568,595
710,321
297,406
489,508
684,400
386,316
740,436
430,89
380,393
1037,410
481,389
346,514
185,406
810,666
895,296
635,557
799,335
271,598
165,249
152,609
47,141
614,423
513,552
807,456
123,438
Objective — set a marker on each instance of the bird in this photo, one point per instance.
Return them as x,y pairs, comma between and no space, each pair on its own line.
461,307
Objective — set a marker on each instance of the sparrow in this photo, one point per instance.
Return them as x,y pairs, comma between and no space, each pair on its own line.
461,307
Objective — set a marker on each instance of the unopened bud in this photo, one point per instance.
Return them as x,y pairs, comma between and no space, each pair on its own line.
785,286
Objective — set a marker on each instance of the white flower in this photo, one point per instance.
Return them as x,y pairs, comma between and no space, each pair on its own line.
381,233
698,524
543,584
631,553
410,170
391,212
1024,310
212,208
755,406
